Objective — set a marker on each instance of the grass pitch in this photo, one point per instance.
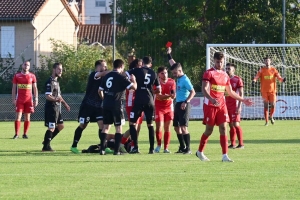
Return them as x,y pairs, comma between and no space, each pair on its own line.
268,167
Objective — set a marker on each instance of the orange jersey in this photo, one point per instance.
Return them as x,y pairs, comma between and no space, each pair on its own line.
24,85
267,78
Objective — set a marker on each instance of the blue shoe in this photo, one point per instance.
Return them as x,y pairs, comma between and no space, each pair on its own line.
157,149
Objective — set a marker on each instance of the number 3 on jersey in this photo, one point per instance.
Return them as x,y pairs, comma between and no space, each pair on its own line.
147,79
108,82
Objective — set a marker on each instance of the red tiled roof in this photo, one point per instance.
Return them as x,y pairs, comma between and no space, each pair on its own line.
20,9
102,33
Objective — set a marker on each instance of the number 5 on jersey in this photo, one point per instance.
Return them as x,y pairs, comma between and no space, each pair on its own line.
108,82
147,79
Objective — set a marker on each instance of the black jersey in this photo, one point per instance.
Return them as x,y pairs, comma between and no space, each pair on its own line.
53,89
91,96
145,78
113,85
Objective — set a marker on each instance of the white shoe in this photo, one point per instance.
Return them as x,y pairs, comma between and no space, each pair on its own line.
122,149
157,149
226,159
167,151
201,156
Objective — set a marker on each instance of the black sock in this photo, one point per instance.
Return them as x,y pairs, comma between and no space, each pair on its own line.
77,136
102,141
47,138
133,135
118,137
186,138
99,133
180,140
55,132
151,137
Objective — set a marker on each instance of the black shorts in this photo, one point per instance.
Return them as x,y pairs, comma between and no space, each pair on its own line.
113,116
53,116
137,110
88,113
181,117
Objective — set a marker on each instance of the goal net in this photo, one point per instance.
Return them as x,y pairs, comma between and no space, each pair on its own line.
249,59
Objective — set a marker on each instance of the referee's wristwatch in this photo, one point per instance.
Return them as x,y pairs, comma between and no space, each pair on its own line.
186,101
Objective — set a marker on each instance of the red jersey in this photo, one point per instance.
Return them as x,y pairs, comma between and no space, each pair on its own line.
130,95
166,88
235,82
24,85
218,80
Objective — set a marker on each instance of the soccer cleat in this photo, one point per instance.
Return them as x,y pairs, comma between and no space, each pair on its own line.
15,137
47,149
122,149
240,146
231,146
24,136
117,153
266,124
151,151
225,158
180,150
187,151
108,151
201,156
157,149
101,152
272,121
134,151
75,150
167,151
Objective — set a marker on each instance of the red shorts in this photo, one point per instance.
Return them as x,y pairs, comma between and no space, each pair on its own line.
215,115
25,107
139,120
163,115
233,117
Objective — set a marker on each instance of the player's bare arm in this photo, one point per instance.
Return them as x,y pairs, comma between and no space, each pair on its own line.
239,107
35,93
101,74
205,91
100,92
133,81
171,61
65,104
13,93
234,95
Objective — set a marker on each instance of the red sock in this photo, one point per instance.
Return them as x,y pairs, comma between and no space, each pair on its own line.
232,133
272,110
167,137
224,143
124,140
239,133
266,114
26,127
17,127
203,141
158,137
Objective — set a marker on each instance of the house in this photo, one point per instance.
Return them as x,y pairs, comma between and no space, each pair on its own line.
95,11
27,26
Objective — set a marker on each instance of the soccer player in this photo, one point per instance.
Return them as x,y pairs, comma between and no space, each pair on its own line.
184,94
112,91
267,76
215,82
23,83
53,119
164,111
146,78
90,109
234,107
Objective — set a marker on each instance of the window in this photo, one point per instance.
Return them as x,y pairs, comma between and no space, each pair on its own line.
100,3
7,41
105,18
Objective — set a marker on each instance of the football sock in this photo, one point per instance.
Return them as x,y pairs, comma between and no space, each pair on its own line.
232,133
203,141
158,137
26,127
47,138
180,140
54,134
124,140
17,127
118,137
133,135
266,114
186,138
239,133
99,133
272,110
77,136
224,143
102,141
151,137
167,137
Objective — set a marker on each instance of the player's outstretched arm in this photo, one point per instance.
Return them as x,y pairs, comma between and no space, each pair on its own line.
234,95
171,60
101,74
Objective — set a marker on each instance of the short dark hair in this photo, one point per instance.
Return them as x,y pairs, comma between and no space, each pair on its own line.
118,63
133,64
98,62
55,65
147,60
219,55
162,68
231,65
175,66
267,57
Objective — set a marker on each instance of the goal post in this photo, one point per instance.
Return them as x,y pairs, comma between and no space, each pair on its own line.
249,59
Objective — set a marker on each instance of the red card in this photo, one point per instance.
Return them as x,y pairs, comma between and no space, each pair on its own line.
169,44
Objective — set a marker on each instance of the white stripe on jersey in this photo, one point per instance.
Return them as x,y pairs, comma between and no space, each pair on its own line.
130,98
